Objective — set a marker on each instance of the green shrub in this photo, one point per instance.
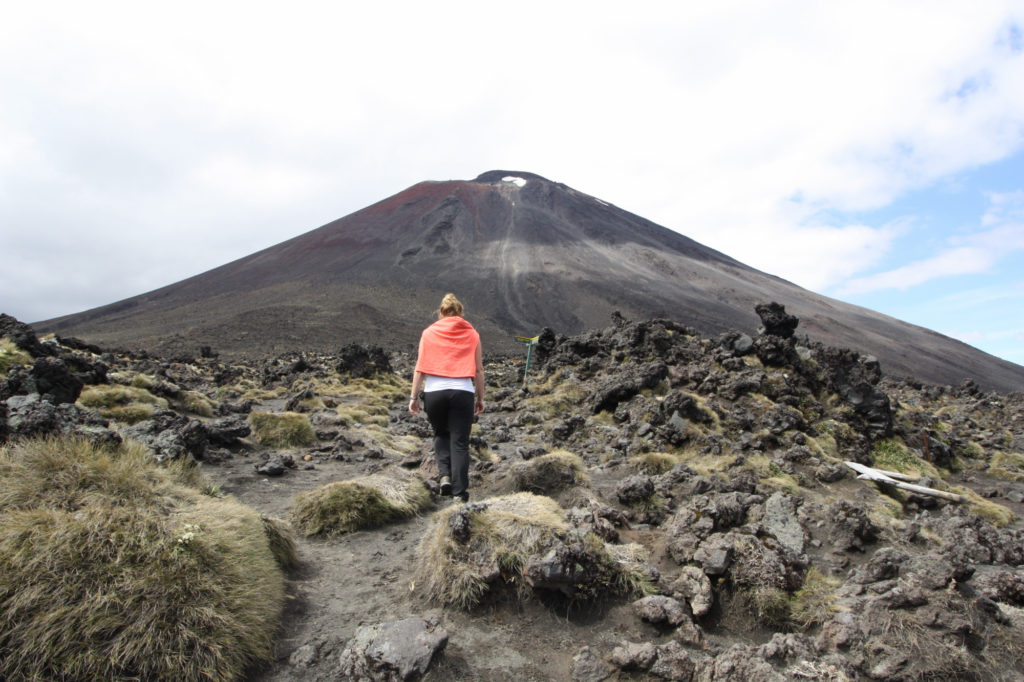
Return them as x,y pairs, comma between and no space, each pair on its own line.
365,502
892,455
770,604
991,511
284,430
115,568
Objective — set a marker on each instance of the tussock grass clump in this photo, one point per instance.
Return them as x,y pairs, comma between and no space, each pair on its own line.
634,572
815,601
993,512
654,463
558,397
284,430
115,568
128,404
11,356
770,605
549,473
365,502
501,536
771,475
145,381
195,403
1008,466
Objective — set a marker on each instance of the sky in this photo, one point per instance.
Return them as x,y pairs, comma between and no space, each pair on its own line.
871,151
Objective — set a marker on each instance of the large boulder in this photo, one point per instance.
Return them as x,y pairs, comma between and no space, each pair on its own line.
55,381
626,383
776,321
28,416
363,362
170,435
21,335
399,651
851,529
226,430
780,519
855,378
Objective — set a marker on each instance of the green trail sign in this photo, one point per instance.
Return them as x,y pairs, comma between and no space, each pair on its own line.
530,342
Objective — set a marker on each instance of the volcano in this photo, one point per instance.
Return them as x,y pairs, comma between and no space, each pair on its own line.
522,253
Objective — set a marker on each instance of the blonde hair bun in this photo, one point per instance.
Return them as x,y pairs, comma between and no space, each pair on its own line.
450,306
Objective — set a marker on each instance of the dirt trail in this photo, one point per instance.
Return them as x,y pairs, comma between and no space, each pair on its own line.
364,578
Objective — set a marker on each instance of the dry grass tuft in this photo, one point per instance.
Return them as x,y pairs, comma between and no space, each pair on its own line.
11,356
635,575
127,404
815,601
284,430
115,568
365,502
549,473
654,463
994,512
1008,466
557,397
281,541
196,403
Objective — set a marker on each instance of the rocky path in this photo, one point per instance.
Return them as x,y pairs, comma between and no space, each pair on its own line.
364,578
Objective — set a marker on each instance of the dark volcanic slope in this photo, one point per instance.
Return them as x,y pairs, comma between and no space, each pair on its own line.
522,256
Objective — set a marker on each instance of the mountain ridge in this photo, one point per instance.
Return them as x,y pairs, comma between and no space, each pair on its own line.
523,253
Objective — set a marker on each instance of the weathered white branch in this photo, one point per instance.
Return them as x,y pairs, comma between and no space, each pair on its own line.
902,481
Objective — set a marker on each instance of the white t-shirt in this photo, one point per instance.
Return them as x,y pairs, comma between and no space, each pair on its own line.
433,383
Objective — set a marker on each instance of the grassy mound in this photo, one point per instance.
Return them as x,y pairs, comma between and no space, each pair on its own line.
365,502
469,548
502,538
114,568
285,430
549,473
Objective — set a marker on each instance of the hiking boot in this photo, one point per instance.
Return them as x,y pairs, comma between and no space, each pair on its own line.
464,496
446,485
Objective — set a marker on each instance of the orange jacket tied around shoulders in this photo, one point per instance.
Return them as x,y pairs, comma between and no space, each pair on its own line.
448,349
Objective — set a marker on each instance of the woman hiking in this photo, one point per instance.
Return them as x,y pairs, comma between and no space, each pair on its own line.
450,374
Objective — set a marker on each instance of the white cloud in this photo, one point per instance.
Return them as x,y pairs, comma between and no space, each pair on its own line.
961,261
1005,209
975,251
246,123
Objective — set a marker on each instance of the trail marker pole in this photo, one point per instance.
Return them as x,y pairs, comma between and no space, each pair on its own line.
530,343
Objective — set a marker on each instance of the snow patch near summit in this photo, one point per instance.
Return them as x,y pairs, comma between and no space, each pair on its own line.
518,182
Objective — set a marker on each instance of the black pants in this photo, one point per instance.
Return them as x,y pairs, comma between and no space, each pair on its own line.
451,414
